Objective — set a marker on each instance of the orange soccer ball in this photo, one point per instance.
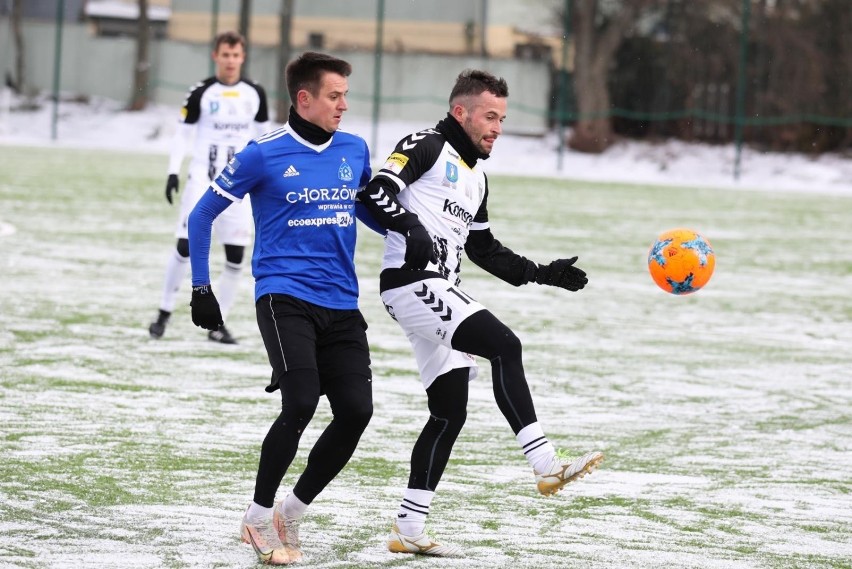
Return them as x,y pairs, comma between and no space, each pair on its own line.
681,261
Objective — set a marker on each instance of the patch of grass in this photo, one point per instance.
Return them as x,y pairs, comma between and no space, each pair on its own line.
718,412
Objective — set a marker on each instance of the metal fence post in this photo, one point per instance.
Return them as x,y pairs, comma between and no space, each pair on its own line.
739,119
57,66
377,71
562,93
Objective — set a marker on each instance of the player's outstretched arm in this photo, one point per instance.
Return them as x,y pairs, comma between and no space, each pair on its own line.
490,255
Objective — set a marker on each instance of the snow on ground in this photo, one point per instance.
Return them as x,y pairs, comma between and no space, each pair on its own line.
726,451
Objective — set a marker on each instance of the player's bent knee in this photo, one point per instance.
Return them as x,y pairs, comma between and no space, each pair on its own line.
182,247
482,334
234,254
356,417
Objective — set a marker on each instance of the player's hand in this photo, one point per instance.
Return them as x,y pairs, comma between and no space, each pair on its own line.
205,308
419,249
171,186
562,273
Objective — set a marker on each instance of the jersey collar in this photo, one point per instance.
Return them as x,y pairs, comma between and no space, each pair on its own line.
458,138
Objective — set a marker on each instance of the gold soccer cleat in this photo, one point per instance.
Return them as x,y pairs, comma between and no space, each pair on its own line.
420,545
562,472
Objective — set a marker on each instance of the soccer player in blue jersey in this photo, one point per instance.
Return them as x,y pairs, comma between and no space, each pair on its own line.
303,180
219,116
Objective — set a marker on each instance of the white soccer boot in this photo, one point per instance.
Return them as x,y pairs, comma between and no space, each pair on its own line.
420,545
562,471
288,532
265,541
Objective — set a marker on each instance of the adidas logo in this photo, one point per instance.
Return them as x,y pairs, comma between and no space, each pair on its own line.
291,171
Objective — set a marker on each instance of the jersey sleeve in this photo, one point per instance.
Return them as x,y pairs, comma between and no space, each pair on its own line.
367,172
199,227
241,175
180,142
190,112
413,156
262,115
480,220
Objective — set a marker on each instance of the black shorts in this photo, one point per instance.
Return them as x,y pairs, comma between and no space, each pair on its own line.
301,335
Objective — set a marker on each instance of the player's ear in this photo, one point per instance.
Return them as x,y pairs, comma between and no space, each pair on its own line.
458,112
304,97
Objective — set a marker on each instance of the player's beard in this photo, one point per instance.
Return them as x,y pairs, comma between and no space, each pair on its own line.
476,137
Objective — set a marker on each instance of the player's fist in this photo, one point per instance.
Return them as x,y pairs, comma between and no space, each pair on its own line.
562,273
171,186
419,249
205,308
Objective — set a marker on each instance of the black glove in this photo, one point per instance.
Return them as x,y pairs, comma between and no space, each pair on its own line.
171,186
419,249
562,273
205,308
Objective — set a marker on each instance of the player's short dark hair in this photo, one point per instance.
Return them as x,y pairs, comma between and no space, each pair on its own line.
306,71
472,82
230,38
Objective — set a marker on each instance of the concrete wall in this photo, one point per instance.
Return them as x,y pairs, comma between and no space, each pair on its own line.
414,87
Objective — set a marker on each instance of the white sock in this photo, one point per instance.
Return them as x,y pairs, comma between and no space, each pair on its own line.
411,518
256,512
176,268
226,287
538,450
292,507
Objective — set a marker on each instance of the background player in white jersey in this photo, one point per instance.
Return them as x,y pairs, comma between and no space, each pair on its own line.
222,113
303,179
434,178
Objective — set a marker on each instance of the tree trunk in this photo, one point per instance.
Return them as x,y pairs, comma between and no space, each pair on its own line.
595,49
244,27
282,104
19,81
139,98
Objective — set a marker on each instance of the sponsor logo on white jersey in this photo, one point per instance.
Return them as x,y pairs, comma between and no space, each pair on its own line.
237,127
395,163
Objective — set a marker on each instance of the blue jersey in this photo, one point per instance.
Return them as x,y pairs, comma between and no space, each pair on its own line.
303,203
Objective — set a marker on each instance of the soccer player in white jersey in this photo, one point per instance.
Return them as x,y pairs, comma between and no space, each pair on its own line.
303,180
431,195
222,113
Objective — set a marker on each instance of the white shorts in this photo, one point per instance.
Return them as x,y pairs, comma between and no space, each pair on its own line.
231,227
429,311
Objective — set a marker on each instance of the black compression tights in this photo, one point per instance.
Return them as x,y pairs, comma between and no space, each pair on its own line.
351,405
482,334
448,411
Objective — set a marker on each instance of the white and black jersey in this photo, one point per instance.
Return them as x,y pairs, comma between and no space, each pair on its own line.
434,178
222,119
225,118
447,194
